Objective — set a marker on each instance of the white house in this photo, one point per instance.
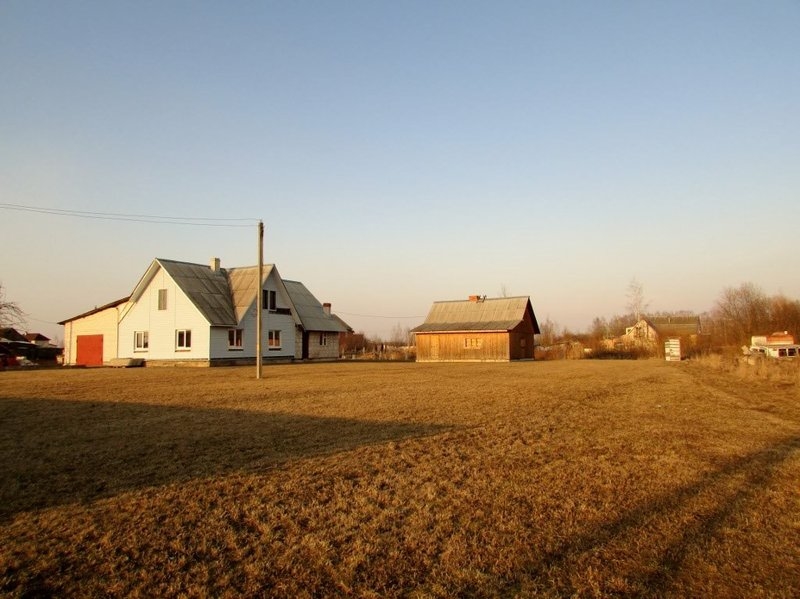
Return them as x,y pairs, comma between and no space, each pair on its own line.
195,314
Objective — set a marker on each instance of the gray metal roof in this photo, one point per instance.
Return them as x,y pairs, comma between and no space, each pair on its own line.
309,309
208,290
676,326
496,314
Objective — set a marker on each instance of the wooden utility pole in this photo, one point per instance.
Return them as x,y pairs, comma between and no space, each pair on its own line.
259,298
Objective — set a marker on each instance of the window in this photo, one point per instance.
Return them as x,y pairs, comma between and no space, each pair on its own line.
234,338
274,340
269,300
323,339
473,343
140,341
162,299
183,339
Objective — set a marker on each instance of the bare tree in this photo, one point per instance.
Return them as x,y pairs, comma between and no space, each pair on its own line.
784,314
742,312
399,335
549,331
636,302
11,314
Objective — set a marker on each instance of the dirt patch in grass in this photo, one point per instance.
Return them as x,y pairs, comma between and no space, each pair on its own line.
418,480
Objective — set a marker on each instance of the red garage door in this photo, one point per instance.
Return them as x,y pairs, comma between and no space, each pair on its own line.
90,350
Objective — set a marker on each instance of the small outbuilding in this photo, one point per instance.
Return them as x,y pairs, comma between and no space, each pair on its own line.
90,339
478,329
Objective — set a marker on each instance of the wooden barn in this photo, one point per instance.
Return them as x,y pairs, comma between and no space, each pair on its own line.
478,330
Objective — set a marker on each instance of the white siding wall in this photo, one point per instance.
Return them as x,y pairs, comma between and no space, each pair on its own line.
161,325
271,321
101,323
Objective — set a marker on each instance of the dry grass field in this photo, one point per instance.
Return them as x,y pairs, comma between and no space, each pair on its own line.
537,479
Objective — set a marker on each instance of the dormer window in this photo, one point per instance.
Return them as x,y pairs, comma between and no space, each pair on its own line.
162,299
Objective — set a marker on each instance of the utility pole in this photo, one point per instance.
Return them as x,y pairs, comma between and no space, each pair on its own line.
259,298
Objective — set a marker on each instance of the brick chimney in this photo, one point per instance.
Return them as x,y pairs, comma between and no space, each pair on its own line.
326,307
214,264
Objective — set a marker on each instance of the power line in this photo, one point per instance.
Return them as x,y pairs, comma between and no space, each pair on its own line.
375,315
138,218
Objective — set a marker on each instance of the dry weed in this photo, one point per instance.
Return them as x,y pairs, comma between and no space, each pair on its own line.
585,478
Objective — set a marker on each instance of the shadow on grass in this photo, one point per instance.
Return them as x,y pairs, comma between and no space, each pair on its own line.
57,452
752,472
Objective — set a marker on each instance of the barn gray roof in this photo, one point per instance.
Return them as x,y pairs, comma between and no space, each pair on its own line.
309,309
675,326
207,289
496,314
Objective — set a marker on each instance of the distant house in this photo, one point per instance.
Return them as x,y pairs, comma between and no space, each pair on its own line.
33,346
318,333
38,339
193,314
651,332
479,329
12,334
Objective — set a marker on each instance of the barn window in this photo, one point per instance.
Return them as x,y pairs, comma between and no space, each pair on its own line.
269,300
183,339
274,340
140,341
162,299
473,342
234,338
522,342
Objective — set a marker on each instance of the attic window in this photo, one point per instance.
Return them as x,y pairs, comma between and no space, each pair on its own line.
162,299
269,300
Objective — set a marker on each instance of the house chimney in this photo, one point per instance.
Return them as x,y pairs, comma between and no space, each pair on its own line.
326,307
214,265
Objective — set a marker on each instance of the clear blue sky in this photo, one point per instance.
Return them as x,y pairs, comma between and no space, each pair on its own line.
405,152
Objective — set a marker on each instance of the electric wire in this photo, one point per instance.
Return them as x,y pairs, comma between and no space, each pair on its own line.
139,218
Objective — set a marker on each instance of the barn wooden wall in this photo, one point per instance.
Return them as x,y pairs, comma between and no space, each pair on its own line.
435,347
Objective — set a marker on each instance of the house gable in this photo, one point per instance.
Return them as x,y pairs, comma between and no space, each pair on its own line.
243,283
206,289
173,309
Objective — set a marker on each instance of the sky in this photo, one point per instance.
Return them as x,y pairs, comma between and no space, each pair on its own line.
401,153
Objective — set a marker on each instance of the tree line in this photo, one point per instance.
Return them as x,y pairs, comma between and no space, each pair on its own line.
738,314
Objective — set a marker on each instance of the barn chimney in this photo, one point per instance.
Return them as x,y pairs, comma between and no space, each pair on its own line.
326,307
214,265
